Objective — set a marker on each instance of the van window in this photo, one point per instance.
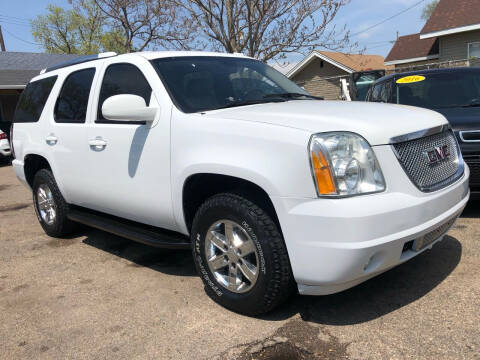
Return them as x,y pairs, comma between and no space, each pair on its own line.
381,92
72,102
33,99
122,79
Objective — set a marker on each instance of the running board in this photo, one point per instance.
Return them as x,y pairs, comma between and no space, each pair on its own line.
141,233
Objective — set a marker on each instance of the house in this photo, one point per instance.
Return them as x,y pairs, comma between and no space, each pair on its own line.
16,70
320,72
452,34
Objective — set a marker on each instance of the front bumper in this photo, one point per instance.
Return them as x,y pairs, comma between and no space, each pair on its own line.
335,244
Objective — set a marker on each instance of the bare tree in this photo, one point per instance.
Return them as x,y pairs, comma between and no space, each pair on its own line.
145,22
429,9
265,29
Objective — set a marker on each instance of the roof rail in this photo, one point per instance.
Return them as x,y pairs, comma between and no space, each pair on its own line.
79,60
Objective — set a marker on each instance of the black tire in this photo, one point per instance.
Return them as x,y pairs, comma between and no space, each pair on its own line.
275,280
61,226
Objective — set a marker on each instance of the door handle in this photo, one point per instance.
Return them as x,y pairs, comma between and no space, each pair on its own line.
97,144
51,139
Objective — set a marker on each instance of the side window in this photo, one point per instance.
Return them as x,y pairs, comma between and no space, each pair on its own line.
376,93
387,92
33,99
122,79
72,102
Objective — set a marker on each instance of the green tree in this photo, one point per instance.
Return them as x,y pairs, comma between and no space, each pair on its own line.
429,9
84,29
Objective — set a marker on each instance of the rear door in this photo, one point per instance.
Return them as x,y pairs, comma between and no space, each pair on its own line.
66,136
129,162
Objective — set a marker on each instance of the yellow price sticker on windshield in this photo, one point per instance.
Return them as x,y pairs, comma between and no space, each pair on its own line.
410,79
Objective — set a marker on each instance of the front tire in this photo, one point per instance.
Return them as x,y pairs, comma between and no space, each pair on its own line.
240,255
50,206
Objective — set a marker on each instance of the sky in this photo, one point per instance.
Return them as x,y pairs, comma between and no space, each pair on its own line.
358,16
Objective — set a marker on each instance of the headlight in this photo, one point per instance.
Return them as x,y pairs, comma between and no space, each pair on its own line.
344,164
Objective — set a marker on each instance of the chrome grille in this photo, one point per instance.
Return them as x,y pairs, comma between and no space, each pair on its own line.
425,175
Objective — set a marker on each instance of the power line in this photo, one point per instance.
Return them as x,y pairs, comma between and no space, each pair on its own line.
388,19
18,38
13,23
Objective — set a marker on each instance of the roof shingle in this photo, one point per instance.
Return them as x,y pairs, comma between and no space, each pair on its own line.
356,62
450,14
10,60
411,46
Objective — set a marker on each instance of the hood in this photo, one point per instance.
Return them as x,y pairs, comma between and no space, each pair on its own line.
462,118
376,122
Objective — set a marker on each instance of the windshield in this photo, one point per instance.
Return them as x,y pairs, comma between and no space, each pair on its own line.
203,83
441,90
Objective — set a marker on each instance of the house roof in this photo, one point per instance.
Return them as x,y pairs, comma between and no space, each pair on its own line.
10,60
348,62
410,48
452,16
17,68
16,79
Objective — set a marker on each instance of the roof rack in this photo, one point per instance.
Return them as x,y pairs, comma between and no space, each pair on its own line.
79,60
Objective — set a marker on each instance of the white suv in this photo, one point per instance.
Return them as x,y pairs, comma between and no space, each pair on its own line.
272,189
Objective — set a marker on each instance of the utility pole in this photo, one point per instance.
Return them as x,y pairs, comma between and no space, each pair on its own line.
2,43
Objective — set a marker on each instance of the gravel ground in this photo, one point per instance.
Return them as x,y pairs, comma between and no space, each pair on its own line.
100,296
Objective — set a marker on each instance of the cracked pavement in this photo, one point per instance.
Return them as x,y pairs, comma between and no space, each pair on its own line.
96,295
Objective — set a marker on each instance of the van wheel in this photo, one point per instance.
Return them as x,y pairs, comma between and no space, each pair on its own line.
240,255
50,206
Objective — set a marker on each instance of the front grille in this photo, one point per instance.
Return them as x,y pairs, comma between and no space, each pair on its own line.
428,176
433,235
474,166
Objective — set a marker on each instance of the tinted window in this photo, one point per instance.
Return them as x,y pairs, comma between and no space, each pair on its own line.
72,103
376,92
441,90
122,79
33,99
208,82
381,92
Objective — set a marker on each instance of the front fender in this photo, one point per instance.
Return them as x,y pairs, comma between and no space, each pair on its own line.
273,157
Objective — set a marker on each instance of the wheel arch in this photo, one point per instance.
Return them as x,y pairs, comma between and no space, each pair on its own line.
32,163
197,188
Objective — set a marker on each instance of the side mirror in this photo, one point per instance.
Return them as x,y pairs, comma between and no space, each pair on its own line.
127,107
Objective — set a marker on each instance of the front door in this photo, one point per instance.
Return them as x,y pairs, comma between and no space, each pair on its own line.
129,162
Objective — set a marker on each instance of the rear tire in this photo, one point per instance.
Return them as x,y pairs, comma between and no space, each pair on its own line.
50,206
227,273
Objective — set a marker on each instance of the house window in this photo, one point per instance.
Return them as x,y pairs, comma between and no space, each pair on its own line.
474,50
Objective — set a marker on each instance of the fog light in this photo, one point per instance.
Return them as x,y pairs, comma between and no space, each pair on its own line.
374,262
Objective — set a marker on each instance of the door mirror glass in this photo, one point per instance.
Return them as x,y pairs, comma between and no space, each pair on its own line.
128,107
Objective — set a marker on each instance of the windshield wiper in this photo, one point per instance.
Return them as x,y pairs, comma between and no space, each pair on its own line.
249,102
471,105
292,96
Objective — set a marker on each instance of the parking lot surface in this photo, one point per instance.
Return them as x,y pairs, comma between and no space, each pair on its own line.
96,295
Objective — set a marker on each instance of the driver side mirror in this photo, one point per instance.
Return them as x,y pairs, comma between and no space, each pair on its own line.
128,107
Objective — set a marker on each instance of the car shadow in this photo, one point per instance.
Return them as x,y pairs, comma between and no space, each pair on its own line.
5,162
472,210
372,299
172,262
381,295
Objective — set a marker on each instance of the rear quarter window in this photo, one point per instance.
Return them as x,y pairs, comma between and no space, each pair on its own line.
33,99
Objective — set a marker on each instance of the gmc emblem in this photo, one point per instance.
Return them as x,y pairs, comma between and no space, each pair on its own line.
438,153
